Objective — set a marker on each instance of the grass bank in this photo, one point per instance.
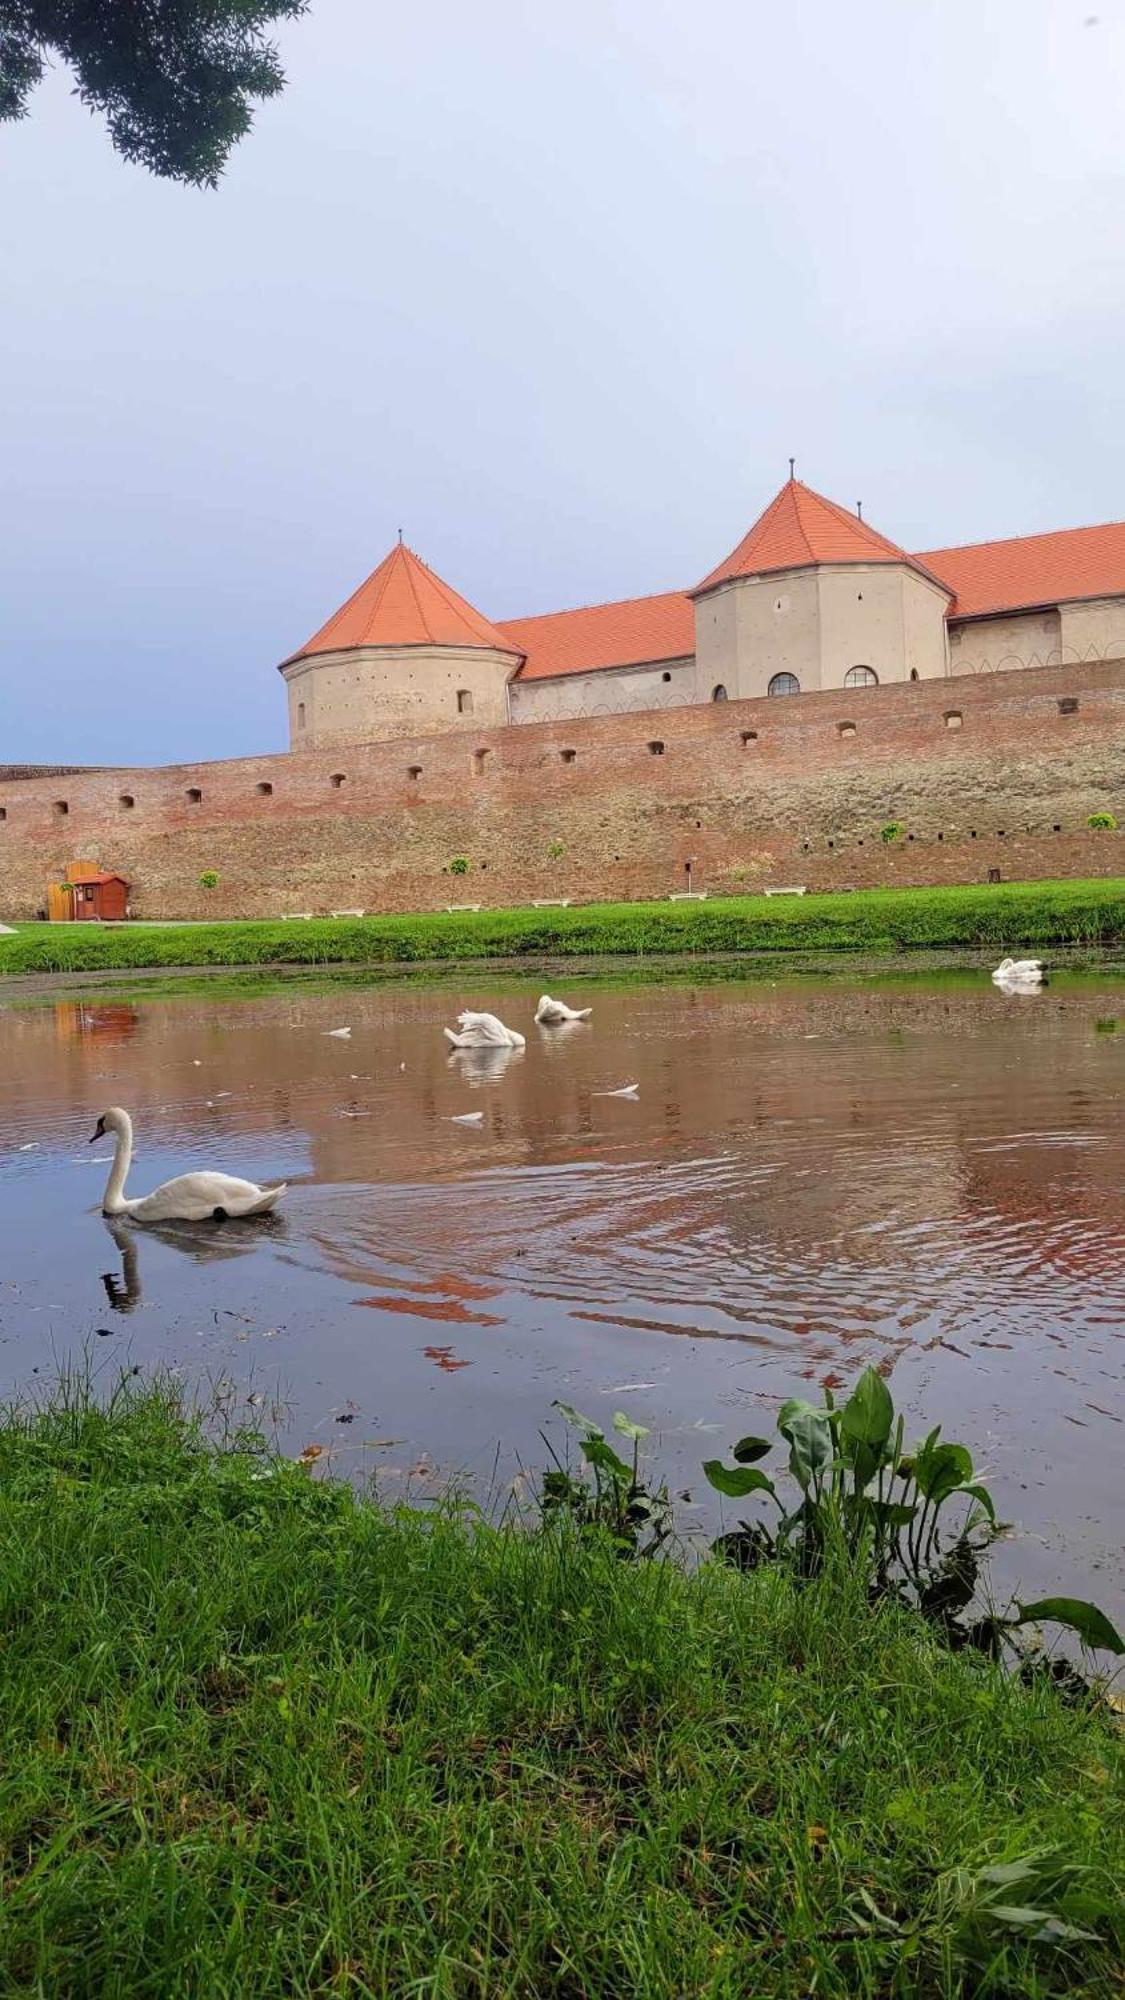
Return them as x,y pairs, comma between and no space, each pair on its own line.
261,1737
1011,916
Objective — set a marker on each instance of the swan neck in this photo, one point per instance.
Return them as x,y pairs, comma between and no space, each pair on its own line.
112,1201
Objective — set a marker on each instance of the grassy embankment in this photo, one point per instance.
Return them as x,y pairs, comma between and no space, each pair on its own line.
261,1737
1012,916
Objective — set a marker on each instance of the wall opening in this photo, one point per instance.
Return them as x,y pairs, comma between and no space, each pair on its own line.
464,701
568,756
748,736
1068,705
194,795
480,760
300,715
126,801
656,749
719,693
337,780
264,789
953,718
846,728
913,673
414,772
60,808
3,814
665,677
861,677
784,684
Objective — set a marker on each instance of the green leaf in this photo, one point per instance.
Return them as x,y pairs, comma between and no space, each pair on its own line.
601,1455
1091,1625
981,1493
810,1440
749,1449
627,1427
736,1480
869,1412
891,1514
570,1415
939,1470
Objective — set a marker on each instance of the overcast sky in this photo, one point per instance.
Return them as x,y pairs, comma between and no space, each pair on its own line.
558,290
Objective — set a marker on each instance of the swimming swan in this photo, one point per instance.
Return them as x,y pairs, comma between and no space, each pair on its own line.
553,1013
189,1198
483,1031
1019,972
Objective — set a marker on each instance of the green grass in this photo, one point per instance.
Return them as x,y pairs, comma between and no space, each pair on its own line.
260,1737
1011,916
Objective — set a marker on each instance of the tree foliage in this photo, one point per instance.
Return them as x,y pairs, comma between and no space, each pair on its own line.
174,79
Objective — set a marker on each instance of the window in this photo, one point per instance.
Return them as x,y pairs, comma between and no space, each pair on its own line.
60,808
264,790
861,677
300,715
194,795
656,749
1068,705
336,780
414,773
568,756
913,673
480,759
784,684
3,812
719,693
846,728
953,718
748,736
464,701
126,801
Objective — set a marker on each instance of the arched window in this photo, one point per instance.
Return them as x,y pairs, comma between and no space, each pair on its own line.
861,677
784,684
719,693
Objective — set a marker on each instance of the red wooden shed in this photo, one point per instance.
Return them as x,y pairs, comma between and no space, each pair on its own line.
97,895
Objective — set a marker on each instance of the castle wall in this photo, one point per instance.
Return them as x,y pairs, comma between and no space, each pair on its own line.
994,645
982,771
755,627
612,691
883,616
375,693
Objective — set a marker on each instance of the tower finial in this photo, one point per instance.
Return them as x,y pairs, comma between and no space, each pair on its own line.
400,538
792,463
859,510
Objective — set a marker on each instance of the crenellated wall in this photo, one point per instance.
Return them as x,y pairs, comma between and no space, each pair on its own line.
983,771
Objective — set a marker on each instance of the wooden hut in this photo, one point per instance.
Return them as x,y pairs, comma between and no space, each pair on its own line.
96,895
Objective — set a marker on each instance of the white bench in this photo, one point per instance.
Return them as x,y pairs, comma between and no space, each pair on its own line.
550,902
347,913
795,891
296,916
688,896
456,909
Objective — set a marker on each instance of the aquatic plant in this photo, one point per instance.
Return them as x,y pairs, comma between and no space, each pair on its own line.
888,1510
615,1500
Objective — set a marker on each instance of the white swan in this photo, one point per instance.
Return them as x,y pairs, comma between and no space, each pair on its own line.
189,1198
483,1031
1019,972
552,1013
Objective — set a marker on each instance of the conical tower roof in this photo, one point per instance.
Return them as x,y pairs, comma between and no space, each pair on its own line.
801,528
403,603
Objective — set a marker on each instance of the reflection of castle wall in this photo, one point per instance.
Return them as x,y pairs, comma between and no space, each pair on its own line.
984,771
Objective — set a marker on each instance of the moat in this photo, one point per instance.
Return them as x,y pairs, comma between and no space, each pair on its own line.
919,1172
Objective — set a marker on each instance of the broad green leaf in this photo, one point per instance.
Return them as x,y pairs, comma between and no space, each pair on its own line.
570,1415
598,1453
1004,1873
869,1411
810,1440
939,1470
749,1450
891,1514
1091,1625
736,1480
627,1427
981,1493
863,1460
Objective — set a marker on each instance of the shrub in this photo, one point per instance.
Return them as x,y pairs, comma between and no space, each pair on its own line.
556,851
209,879
459,865
1102,822
891,831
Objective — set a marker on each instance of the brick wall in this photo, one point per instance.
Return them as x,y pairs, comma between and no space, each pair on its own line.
982,772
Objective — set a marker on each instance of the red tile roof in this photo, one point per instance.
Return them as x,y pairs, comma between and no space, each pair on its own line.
1032,569
625,634
800,527
403,603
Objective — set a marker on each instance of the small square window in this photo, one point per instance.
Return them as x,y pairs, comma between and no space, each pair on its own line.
1068,705
656,749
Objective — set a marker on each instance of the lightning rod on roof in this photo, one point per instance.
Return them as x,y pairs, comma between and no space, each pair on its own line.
792,463
859,509
400,537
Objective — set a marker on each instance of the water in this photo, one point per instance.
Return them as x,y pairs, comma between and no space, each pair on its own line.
922,1173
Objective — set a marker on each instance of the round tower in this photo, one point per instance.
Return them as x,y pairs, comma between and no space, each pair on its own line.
405,656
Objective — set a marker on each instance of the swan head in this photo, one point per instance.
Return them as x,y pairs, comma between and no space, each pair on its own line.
113,1120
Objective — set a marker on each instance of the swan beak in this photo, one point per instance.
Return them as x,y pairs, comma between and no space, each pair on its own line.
97,1134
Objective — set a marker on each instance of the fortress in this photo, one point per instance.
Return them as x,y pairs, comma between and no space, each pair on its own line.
758,729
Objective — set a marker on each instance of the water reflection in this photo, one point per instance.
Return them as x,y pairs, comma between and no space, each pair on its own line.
113,1021
485,1065
203,1242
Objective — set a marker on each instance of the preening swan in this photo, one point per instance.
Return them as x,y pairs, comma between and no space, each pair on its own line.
552,1013
1019,972
189,1198
483,1031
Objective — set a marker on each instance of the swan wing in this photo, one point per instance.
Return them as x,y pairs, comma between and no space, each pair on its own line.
195,1198
484,1028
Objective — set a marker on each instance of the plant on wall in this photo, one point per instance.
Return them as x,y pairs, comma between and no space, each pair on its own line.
459,865
1102,822
891,830
555,851
209,879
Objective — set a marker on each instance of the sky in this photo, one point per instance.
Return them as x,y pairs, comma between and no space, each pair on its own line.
557,291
